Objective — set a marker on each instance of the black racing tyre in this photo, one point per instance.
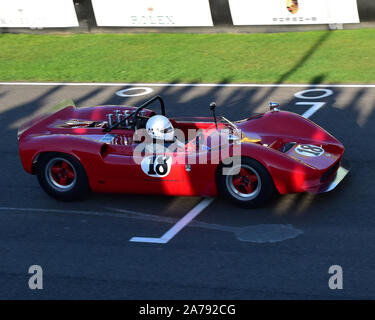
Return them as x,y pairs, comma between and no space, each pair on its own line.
62,176
252,187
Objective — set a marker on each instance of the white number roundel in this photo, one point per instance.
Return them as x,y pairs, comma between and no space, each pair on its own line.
309,150
157,166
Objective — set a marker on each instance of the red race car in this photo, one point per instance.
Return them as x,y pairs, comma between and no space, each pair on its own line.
124,149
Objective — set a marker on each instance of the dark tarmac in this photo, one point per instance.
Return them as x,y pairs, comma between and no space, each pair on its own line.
84,247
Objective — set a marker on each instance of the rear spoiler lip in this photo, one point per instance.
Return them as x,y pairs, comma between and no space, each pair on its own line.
46,114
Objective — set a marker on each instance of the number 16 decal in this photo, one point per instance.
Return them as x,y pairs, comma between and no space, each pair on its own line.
157,166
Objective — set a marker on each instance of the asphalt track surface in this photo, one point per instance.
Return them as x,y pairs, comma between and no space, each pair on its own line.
84,247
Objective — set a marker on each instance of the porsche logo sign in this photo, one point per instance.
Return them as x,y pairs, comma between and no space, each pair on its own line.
292,6
290,12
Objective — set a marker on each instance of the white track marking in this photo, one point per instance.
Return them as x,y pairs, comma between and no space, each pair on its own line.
129,213
123,214
171,233
315,107
148,240
194,223
123,93
239,232
243,85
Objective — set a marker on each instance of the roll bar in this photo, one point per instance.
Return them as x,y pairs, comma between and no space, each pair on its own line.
134,114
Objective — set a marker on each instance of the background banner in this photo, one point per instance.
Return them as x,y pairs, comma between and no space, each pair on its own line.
267,12
37,14
152,13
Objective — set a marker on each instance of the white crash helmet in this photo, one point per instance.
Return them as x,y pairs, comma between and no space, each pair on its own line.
159,127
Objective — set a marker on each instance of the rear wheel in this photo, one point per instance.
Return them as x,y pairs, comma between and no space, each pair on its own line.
62,176
246,184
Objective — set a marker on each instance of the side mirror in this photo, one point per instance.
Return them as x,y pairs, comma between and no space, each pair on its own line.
274,106
212,108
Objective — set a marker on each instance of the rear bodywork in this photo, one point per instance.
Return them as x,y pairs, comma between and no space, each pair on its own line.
272,138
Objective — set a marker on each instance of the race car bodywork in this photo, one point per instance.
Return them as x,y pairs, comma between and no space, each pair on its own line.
80,149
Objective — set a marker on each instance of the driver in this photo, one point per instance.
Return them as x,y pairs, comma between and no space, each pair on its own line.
161,130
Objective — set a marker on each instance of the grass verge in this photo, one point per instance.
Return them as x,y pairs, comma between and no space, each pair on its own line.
344,56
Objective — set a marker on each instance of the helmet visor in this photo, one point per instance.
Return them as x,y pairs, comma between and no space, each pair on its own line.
167,130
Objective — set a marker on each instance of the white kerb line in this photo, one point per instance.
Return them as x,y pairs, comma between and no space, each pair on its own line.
172,232
230,85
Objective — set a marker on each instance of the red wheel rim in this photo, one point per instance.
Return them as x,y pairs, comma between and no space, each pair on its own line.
61,174
245,182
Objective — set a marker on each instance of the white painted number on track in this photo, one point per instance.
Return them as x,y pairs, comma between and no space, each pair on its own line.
125,92
315,106
301,94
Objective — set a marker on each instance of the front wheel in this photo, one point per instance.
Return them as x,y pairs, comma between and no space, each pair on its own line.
62,176
247,184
